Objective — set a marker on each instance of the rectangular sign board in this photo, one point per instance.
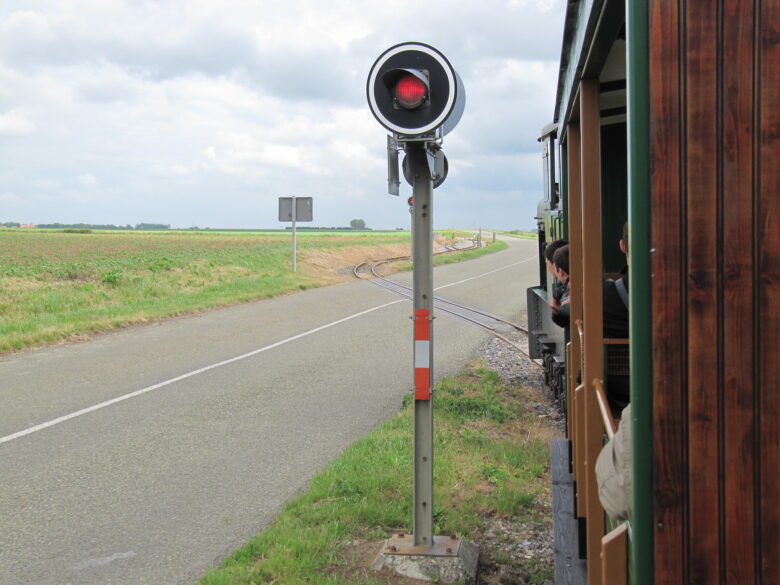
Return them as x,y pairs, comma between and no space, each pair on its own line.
303,209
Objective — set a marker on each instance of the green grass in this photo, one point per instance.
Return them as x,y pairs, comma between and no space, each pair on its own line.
68,284
519,234
452,258
488,248
56,284
486,466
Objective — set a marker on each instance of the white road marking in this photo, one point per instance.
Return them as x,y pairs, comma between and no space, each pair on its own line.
103,562
102,405
82,412
486,273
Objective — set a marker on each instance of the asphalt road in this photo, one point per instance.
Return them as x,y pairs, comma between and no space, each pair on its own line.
148,454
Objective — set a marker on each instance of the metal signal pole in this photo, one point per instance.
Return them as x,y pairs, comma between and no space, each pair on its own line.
414,92
422,262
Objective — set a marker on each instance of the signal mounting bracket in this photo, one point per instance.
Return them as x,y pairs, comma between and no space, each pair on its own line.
437,163
435,136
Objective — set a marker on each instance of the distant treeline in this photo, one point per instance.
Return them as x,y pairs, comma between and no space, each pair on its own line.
93,226
329,229
161,226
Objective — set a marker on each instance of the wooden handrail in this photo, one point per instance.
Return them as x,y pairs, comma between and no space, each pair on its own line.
606,414
578,323
578,448
617,341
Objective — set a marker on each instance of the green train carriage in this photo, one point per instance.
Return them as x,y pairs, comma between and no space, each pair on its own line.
667,116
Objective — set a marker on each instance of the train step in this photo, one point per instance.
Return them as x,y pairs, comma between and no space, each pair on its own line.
569,568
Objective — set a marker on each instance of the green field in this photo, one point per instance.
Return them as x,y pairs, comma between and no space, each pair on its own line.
60,285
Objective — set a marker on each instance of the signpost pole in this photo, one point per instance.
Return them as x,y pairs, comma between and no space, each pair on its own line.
288,211
294,243
422,262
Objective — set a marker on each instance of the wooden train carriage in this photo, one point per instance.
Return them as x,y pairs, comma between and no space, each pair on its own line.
668,112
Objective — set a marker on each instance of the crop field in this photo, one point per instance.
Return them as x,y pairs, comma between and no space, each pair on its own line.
65,285
57,286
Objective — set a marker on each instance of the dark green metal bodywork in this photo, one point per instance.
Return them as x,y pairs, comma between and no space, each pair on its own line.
638,86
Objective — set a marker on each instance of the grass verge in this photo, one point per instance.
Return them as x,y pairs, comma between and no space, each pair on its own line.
488,248
491,463
60,285
452,258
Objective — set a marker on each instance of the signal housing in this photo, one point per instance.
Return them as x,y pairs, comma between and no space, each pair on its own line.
441,107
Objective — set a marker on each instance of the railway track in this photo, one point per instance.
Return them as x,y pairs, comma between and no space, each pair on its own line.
493,324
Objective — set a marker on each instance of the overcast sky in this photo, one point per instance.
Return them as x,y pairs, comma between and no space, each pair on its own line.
205,112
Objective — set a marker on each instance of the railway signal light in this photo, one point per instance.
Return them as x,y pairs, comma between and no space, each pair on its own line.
410,88
413,91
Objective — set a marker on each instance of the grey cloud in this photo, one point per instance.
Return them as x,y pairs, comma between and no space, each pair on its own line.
106,91
469,30
148,98
304,75
211,50
496,174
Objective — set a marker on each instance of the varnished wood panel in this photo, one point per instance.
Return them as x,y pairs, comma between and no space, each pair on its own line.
738,278
592,310
668,294
704,336
768,232
575,265
614,556
715,197
575,258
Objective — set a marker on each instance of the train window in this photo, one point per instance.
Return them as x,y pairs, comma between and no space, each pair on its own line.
547,139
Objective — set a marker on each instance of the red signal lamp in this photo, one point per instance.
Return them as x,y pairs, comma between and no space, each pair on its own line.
410,91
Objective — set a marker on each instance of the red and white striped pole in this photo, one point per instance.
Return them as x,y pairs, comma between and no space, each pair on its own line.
422,354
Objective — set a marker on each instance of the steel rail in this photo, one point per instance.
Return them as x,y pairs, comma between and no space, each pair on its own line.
453,303
406,291
462,306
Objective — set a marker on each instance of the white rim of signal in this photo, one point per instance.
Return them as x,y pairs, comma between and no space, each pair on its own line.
450,78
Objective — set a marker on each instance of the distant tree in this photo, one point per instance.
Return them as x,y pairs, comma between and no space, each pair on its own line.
78,226
357,224
152,226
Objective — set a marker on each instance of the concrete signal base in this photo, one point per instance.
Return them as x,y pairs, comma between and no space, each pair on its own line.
449,560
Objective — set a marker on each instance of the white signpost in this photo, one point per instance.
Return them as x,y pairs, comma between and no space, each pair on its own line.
295,209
